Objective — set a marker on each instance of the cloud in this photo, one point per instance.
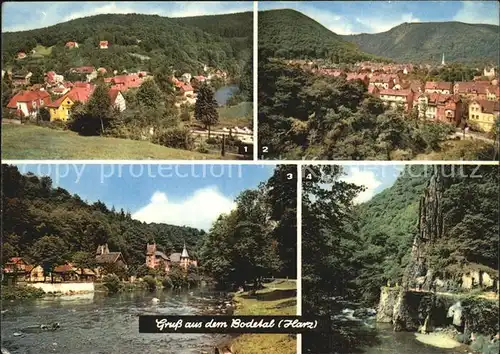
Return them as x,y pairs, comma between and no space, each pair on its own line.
111,8
377,24
478,12
365,178
198,210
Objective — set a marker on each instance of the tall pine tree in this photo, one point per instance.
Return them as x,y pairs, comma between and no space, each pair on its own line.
205,109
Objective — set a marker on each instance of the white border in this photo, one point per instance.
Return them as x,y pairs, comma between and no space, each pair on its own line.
299,253
255,79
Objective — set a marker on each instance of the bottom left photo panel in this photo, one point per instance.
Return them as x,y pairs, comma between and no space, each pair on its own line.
89,248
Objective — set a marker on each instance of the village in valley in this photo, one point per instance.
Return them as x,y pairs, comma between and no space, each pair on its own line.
473,103
146,103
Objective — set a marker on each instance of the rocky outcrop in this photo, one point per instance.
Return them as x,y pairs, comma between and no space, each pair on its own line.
419,273
385,309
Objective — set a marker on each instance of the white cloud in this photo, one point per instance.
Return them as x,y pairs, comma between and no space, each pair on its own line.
365,178
377,24
477,12
111,8
198,210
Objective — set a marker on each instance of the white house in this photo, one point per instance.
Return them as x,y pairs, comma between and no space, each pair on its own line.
117,100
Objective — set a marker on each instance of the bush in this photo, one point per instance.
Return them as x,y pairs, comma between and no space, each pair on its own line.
481,315
202,148
20,292
112,283
179,138
212,141
150,282
167,283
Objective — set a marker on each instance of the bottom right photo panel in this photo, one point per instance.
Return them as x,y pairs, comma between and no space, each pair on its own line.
401,258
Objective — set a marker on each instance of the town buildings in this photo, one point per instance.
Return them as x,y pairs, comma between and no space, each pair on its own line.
156,259
483,114
440,107
28,103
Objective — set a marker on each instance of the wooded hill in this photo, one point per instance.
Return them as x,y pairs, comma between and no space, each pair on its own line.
33,208
426,42
290,34
145,42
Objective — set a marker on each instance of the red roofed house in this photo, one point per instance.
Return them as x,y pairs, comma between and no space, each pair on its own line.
117,99
493,93
395,98
21,78
438,87
124,82
483,114
186,90
156,259
374,90
89,71
103,44
16,265
472,90
52,78
27,103
71,45
21,55
440,107
382,81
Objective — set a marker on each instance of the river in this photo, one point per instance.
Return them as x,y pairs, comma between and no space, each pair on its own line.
97,323
224,93
403,343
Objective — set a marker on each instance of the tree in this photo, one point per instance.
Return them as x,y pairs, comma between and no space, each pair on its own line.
83,260
99,109
149,94
37,76
43,115
205,109
49,252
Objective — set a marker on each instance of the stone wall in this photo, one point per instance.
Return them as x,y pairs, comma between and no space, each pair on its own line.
65,288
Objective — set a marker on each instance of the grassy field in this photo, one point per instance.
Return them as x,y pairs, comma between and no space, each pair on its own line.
41,51
277,298
30,142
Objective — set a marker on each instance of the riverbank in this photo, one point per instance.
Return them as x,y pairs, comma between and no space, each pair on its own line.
278,298
20,292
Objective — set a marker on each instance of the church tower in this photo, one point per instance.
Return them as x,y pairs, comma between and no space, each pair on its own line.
442,61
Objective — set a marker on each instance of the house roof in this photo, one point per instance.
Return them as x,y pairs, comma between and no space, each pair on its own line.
83,69
471,87
58,102
110,257
185,253
16,260
81,94
161,254
113,94
438,85
175,257
186,88
489,106
396,92
27,96
67,268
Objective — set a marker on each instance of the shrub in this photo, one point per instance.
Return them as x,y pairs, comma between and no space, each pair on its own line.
179,138
167,283
212,141
481,315
203,148
150,282
20,292
112,283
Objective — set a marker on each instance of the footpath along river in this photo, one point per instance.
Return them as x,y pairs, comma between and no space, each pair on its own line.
100,324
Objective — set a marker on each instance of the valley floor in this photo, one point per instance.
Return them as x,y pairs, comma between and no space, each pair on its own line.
278,298
32,142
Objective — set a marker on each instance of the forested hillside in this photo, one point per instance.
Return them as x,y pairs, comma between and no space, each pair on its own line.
389,222
292,35
426,42
33,208
146,42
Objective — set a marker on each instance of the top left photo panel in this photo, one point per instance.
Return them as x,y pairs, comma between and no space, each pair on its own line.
127,81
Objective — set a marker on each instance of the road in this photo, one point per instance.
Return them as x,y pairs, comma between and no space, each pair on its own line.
470,136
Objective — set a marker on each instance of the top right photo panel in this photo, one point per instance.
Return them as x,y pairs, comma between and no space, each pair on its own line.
378,80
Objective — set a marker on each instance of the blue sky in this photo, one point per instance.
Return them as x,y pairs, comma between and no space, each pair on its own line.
19,16
191,195
352,17
375,178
